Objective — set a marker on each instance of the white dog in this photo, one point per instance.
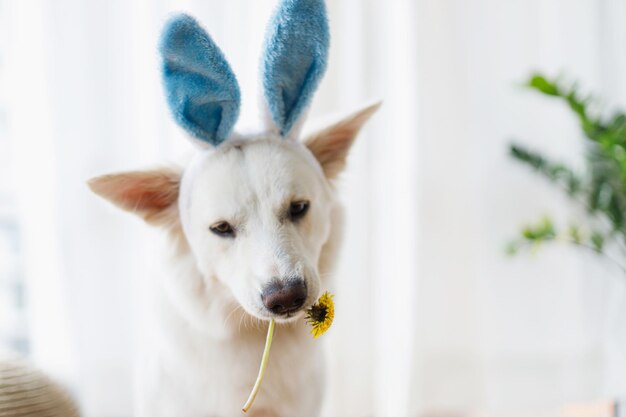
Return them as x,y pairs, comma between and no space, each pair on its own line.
254,225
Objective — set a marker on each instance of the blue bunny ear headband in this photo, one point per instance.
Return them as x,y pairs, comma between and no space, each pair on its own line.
202,91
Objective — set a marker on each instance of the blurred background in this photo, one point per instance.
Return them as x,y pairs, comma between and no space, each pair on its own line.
432,315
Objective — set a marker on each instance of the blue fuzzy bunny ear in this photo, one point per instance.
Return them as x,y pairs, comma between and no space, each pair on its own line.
201,89
296,51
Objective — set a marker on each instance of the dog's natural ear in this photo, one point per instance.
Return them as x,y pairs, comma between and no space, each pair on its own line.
152,195
332,144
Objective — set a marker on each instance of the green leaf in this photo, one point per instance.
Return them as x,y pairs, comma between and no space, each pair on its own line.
544,230
597,240
574,234
555,172
540,83
512,248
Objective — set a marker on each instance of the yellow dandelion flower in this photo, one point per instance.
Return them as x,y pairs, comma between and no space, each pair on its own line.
320,316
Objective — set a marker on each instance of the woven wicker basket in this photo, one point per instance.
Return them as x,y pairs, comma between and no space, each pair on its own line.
27,392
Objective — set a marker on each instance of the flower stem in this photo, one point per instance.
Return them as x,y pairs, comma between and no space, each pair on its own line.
259,378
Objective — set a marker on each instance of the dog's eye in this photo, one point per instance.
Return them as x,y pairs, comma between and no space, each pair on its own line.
223,229
298,209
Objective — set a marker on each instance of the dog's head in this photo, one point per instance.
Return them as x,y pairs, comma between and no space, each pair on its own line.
255,210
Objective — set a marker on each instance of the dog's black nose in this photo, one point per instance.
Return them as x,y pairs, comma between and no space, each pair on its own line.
284,297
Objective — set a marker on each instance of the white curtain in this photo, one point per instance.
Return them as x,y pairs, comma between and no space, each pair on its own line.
430,313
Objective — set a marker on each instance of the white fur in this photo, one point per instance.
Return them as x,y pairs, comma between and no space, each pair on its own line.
206,361
211,322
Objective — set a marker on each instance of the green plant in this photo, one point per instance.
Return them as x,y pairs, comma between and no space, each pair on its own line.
599,188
